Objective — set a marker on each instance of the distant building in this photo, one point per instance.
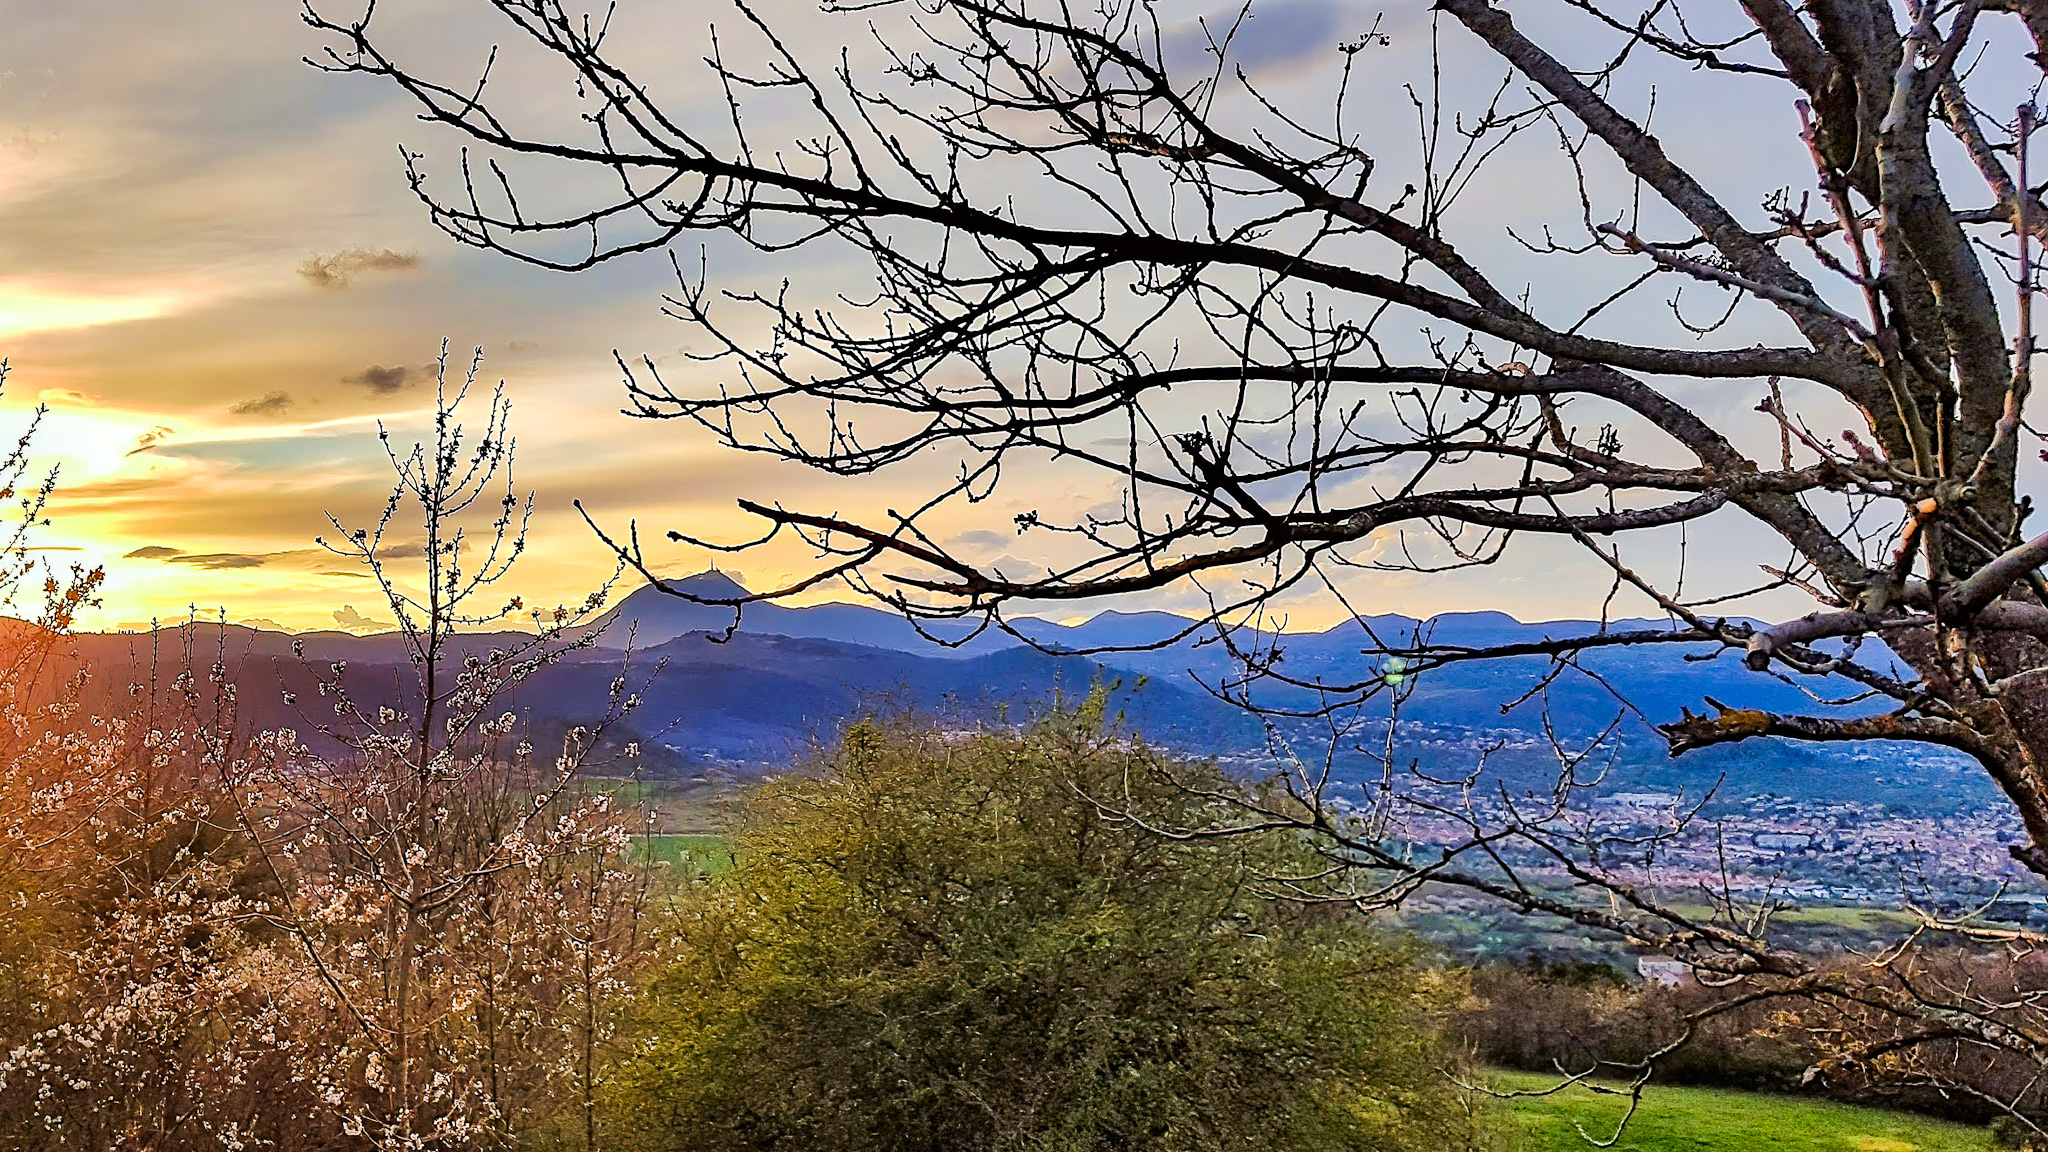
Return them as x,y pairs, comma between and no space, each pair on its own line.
1639,799
1663,971
1784,840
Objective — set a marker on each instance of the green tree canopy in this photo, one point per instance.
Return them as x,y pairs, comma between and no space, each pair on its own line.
944,943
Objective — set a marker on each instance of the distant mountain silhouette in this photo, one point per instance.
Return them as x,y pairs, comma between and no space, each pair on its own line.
649,616
754,700
1652,680
789,676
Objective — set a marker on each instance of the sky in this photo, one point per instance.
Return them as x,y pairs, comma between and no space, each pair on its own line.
214,277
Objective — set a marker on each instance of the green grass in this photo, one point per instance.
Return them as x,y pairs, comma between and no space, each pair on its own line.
1714,1120
710,853
691,799
1859,919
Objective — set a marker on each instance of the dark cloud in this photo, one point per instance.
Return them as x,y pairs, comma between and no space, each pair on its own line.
1272,34
314,560
268,404
214,560
218,560
336,269
349,618
381,381
350,575
150,439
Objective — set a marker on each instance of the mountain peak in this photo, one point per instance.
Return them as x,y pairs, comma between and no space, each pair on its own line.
710,585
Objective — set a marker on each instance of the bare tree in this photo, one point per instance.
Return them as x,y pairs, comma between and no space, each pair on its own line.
1291,365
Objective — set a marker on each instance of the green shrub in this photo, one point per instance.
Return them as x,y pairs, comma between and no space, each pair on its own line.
947,944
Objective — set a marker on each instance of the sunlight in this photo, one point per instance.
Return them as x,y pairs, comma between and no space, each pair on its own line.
28,308
96,444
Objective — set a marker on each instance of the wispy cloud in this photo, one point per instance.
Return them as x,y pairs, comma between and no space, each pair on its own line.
151,439
984,538
274,403
337,269
295,559
216,561
213,561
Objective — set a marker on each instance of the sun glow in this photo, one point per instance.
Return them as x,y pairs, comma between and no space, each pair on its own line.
89,445
28,308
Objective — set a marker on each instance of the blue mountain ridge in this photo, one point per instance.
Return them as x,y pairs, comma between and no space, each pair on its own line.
1451,712
1643,683
788,677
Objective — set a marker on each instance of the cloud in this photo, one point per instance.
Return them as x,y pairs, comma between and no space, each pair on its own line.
208,560
349,618
263,622
68,398
1272,34
215,561
1013,567
269,404
381,381
151,439
984,538
317,561
336,269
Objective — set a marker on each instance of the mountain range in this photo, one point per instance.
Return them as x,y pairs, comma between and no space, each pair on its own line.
1642,685
786,677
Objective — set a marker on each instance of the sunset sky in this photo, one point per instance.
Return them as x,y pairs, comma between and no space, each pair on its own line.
212,272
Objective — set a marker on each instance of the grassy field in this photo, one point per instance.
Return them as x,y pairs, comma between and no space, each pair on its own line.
710,853
1710,1120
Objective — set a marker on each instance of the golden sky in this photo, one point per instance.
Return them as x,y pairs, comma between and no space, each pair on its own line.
214,276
